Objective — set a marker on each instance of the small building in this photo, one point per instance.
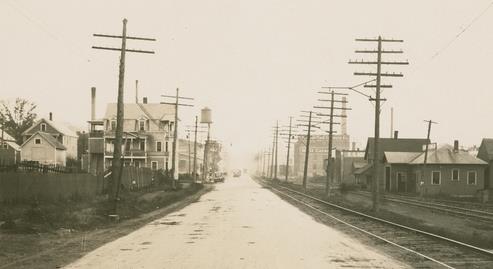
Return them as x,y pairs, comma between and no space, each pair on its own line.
364,175
345,163
485,153
60,131
448,170
43,148
9,150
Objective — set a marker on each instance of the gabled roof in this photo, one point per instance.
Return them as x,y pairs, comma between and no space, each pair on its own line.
395,145
486,149
136,111
48,138
60,127
6,136
400,157
447,155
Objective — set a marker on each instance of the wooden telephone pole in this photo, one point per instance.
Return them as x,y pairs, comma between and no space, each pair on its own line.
329,169
378,86
117,153
308,124
177,97
289,147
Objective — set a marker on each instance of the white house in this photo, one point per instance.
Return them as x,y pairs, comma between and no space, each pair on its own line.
44,148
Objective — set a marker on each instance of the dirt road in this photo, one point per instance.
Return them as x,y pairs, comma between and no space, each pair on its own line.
239,225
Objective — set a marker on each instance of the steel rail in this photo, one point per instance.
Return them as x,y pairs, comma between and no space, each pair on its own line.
449,240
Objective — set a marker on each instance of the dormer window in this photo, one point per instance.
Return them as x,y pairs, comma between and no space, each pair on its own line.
142,125
43,127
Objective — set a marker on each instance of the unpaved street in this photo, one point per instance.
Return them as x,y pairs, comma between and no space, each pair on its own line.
239,225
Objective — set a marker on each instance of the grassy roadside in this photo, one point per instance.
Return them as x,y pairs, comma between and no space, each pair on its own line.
62,233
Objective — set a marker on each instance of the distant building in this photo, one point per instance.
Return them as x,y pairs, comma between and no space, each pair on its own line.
317,159
9,149
448,170
346,162
60,131
186,156
45,149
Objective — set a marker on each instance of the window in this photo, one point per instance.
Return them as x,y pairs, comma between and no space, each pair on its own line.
137,164
142,125
5,145
455,174
166,165
159,146
435,178
154,165
43,127
113,125
471,177
142,145
166,149
37,141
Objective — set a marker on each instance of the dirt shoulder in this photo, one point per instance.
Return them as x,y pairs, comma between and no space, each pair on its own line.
54,249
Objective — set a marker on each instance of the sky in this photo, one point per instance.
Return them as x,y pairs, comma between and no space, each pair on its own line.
256,62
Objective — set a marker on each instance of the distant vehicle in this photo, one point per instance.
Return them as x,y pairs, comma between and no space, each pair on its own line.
237,173
218,177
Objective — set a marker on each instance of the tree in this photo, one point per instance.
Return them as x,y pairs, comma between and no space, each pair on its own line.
17,117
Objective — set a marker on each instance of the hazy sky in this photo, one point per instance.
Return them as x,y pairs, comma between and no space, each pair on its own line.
255,62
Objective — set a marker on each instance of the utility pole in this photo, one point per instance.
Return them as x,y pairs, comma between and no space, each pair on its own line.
117,153
195,151
289,146
307,145
269,168
430,122
277,139
333,95
177,97
271,176
378,86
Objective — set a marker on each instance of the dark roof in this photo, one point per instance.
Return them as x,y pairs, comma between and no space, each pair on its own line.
363,170
447,155
48,138
395,145
486,149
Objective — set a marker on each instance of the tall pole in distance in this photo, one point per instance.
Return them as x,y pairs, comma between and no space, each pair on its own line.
195,151
277,138
263,162
378,75
189,155
269,168
329,156
289,145
117,162
175,141
430,122
307,151
271,176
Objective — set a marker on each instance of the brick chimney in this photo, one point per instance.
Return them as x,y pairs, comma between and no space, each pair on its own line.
456,145
93,103
396,134
144,100
51,116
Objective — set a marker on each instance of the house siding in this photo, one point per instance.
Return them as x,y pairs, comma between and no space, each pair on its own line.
447,185
43,153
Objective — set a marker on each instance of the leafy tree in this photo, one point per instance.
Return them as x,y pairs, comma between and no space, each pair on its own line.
17,117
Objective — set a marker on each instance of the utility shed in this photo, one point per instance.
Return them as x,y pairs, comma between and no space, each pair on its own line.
485,153
45,149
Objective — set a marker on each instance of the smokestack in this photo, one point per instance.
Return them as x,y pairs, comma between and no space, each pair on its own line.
144,100
136,91
396,134
51,116
391,121
353,146
456,145
343,118
93,103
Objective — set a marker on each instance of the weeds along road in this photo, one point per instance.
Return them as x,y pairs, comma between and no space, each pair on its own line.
238,225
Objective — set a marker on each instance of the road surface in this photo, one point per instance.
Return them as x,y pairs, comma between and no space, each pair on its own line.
238,225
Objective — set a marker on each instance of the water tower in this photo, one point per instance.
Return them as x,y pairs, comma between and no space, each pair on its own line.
206,118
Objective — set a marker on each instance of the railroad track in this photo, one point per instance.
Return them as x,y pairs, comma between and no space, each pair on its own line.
437,206
427,250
